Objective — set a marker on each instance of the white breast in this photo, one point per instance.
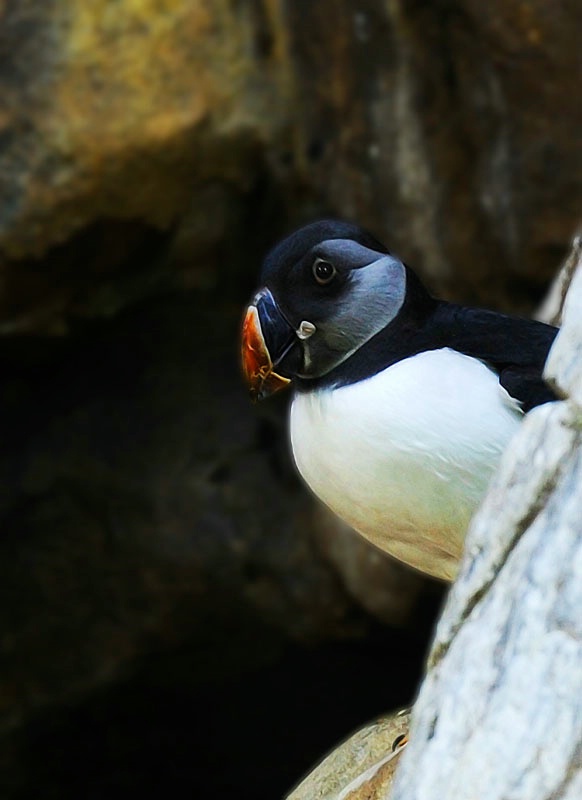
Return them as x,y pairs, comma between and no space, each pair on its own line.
405,456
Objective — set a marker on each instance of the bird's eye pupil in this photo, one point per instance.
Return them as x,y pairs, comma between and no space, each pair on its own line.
323,271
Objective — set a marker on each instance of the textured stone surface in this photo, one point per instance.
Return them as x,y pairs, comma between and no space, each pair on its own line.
386,588
362,767
217,126
551,309
145,503
122,106
419,117
564,367
120,121
152,145
500,712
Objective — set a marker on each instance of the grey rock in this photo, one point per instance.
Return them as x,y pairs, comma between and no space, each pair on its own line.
359,768
499,714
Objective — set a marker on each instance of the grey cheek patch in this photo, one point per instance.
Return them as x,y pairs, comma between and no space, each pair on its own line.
376,295
373,299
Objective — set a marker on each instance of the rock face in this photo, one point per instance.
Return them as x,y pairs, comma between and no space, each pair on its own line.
150,151
120,120
213,127
500,712
145,507
114,110
553,306
424,132
362,768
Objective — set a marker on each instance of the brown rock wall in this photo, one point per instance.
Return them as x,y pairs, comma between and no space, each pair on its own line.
441,126
150,151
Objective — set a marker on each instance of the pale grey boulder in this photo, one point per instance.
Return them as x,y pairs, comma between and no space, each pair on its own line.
551,309
499,715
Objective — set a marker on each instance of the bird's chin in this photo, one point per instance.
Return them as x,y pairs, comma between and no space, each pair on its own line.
264,322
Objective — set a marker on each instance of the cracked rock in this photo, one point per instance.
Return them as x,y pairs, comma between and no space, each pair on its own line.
500,712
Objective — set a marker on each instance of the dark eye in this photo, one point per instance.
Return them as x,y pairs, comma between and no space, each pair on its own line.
323,271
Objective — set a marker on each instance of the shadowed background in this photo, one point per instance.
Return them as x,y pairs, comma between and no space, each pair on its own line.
176,611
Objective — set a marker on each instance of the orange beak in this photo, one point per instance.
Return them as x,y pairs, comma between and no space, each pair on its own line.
256,358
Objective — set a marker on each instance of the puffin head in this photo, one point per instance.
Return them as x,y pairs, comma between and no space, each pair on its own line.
326,290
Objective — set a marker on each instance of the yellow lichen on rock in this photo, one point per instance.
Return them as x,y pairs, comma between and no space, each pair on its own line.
137,103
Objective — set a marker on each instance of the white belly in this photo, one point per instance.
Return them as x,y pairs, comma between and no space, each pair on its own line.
405,456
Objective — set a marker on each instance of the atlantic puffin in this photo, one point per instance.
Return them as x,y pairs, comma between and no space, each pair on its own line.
402,403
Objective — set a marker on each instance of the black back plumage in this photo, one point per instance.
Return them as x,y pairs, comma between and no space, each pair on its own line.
513,347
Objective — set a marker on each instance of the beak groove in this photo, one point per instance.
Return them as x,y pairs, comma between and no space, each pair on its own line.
256,358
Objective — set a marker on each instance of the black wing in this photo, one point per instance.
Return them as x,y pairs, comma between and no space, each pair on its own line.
515,348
